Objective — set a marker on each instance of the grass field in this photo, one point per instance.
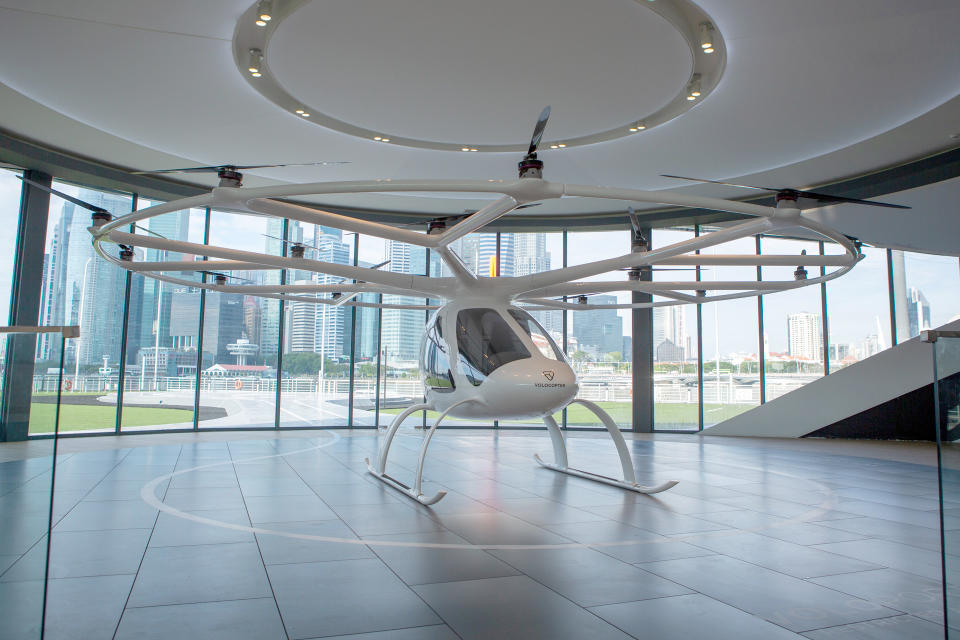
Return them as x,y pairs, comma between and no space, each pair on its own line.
78,417
667,415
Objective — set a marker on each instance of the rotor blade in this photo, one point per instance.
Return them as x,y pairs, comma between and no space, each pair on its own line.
60,194
538,130
235,167
634,220
344,299
154,233
827,199
727,184
528,205
822,197
382,264
306,244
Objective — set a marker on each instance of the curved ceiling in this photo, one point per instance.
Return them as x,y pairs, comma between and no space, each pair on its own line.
813,91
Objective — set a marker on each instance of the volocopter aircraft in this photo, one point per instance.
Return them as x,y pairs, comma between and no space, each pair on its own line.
483,356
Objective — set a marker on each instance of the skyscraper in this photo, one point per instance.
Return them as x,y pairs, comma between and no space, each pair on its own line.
669,325
402,328
805,336
599,331
918,311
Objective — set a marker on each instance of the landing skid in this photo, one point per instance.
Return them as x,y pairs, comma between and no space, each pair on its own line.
629,482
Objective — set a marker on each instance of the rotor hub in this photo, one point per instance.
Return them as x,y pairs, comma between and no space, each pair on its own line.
530,167
230,177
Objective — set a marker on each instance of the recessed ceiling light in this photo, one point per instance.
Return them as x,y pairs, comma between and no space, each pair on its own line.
553,146
299,111
377,138
384,139
305,115
472,149
710,50
695,86
256,74
256,59
562,146
260,23
706,35
465,149
265,10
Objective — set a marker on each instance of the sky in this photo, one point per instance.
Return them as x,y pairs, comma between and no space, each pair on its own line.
855,300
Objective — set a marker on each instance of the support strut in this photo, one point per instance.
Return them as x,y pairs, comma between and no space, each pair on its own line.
629,481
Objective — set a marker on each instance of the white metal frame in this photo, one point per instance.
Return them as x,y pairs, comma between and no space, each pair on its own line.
538,291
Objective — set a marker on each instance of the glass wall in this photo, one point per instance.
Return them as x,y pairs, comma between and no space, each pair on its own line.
9,215
731,338
858,310
81,289
792,323
209,359
315,362
241,334
163,329
676,391
926,292
599,342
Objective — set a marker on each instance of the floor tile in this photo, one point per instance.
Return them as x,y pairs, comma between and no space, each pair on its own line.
905,592
513,608
498,528
278,549
202,573
374,519
895,628
283,508
343,597
85,607
788,602
254,619
195,498
424,565
689,617
91,515
76,554
433,632
890,554
589,577
174,531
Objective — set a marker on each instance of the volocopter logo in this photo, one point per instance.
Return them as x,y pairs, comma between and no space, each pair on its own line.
548,375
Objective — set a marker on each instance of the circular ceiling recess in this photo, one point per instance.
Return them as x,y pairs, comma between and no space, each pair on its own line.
456,75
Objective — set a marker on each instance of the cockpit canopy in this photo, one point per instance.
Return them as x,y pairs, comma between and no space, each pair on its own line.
485,340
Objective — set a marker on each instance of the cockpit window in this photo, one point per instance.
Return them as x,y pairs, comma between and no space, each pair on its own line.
485,342
436,362
541,339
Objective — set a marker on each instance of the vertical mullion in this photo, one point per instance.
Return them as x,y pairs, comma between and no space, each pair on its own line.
563,321
353,337
823,316
376,387
427,311
285,234
762,348
121,374
203,306
892,302
696,234
496,274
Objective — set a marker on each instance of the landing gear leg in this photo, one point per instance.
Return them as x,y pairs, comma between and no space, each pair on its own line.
379,471
629,481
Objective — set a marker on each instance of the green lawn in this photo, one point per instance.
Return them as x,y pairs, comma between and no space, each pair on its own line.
667,415
79,417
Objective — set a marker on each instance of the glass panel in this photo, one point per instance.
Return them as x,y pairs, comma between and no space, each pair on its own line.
947,397
792,323
163,328
315,372
436,358
401,332
926,292
82,289
366,335
676,402
27,478
10,188
599,341
858,309
731,371
240,332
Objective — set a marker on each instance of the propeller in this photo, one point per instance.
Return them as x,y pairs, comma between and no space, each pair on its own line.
297,249
221,278
441,222
530,166
793,194
538,132
100,214
236,167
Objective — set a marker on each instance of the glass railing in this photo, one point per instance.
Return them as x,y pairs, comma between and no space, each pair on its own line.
946,389
29,421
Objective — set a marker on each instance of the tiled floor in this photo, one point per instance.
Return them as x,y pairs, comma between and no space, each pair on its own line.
287,537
